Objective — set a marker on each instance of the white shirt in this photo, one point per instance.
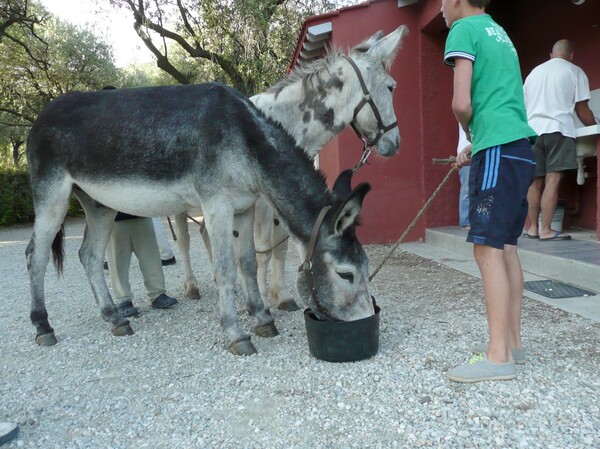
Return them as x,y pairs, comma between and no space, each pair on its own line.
463,142
551,91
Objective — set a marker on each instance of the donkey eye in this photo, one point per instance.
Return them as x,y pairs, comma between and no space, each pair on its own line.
391,89
347,276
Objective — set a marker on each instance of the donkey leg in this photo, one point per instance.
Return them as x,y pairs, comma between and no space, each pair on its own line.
192,290
219,225
278,289
91,254
244,224
51,206
263,224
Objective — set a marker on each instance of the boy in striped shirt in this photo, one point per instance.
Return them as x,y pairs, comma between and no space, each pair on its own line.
488,103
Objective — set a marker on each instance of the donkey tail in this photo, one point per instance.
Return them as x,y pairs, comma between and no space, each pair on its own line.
58,251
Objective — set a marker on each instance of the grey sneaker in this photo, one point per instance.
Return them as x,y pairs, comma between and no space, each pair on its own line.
480,369
518,354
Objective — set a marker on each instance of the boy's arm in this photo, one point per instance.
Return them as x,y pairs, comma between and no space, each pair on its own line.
461,100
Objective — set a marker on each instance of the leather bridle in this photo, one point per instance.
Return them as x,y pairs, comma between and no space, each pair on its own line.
306,266
368,99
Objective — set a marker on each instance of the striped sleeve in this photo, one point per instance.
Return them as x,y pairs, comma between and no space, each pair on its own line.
460,43
452,55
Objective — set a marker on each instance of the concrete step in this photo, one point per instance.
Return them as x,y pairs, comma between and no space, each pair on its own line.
576,262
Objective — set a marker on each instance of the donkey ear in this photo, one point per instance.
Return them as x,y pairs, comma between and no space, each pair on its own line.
367,43
385,50
342,187
346,214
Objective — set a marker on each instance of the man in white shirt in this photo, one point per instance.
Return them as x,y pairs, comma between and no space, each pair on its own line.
554,90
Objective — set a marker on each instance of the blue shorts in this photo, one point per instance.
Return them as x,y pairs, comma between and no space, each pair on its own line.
498,183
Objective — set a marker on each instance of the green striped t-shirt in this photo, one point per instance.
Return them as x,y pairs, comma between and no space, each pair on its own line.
499,114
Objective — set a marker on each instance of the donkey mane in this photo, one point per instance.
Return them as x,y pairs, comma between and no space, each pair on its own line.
308,72
305,180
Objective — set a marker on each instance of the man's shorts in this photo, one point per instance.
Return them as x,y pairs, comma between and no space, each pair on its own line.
554,153
498,183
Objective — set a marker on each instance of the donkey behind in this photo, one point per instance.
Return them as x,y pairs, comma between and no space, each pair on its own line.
314,104
165,150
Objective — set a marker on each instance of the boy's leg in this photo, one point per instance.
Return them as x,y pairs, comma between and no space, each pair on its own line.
496,291
515,280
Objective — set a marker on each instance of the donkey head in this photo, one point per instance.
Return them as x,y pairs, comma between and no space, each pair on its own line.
374,116
336,285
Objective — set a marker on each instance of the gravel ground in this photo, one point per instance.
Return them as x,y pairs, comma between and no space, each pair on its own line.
174,385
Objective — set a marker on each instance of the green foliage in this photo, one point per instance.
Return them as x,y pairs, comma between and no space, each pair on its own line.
16,204
58,59
244,43
16,201
79,59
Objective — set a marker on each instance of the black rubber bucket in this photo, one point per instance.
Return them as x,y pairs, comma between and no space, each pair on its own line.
346,341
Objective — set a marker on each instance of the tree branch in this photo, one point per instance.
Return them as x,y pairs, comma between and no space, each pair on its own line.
238,80
27,50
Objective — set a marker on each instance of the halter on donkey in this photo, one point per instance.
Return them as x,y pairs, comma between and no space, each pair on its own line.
161,151
313,105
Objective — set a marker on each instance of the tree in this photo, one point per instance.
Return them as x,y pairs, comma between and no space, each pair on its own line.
66,58
17,19
246,43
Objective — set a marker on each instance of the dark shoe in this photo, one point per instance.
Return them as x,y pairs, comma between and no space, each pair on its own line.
127,310
105,265
171,261
163,302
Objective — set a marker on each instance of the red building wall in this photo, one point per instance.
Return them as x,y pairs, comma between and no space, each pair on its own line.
396,194
402,184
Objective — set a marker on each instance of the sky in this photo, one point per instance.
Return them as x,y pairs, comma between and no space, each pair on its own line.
118,29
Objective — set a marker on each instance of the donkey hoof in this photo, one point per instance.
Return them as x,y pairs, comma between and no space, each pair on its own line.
288,306
46,339
193,293
266,330
122,330
242,347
